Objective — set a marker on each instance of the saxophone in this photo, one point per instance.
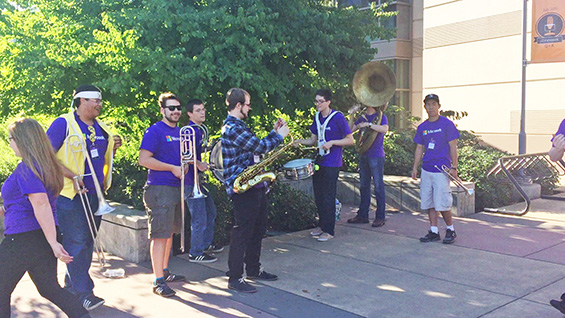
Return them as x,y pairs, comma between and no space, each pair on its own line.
256,173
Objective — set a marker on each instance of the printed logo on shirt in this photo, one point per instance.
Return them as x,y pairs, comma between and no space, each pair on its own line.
426,132
97,137
171,138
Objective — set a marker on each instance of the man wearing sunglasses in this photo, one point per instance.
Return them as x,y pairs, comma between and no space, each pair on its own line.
436,140
100,145
160,153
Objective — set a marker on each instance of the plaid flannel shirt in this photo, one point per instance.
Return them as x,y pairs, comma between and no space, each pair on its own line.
239,145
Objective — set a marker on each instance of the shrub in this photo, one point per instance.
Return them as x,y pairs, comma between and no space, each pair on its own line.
289,210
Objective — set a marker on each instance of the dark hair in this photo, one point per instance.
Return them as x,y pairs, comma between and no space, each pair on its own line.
190,105
164,97
325,93
235,95
83,88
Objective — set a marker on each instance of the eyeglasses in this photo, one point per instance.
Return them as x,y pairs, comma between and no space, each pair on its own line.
96,100
320,101
173,108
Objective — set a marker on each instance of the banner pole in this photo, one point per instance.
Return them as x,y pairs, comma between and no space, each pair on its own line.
522,136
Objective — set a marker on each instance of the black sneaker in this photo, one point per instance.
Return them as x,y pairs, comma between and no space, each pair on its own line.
358,220
204,258
263,276
91,302
214,249
171,278
162,289
241,286
430,237
449,237
559,305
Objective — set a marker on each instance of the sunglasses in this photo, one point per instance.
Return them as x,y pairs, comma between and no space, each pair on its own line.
173,108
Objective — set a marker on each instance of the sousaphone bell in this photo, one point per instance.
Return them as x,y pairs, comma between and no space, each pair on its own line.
374,84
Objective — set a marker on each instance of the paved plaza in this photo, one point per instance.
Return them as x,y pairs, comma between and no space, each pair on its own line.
500,266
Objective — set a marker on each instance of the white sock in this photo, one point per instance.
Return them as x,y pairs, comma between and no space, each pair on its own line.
434,229
450,227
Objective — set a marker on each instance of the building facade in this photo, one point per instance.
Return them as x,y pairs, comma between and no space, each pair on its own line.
469,52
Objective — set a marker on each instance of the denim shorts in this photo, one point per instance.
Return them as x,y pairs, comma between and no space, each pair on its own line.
162,204
435,191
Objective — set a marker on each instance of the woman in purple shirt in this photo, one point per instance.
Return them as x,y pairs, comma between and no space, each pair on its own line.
30,243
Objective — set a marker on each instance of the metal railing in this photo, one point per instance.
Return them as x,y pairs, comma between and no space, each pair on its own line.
523,170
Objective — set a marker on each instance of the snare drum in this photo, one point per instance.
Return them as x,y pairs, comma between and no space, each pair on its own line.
298,169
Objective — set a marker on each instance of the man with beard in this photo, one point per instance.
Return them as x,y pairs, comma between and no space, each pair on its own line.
240,149
160,153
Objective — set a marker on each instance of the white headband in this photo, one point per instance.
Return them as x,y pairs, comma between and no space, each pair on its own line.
88,94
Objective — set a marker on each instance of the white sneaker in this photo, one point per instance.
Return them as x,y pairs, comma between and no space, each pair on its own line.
316,232
324,237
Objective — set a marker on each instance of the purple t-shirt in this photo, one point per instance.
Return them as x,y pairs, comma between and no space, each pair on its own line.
561,130
189,179
435,137
376,150
19,216
163,141
336,129
57,133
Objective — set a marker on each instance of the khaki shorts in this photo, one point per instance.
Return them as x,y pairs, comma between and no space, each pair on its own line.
435,191
162,204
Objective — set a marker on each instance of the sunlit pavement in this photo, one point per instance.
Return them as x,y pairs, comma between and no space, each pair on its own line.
500,266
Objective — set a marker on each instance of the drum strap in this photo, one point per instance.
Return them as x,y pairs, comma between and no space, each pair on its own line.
322,131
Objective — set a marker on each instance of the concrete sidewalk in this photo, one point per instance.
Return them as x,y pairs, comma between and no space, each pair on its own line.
500,266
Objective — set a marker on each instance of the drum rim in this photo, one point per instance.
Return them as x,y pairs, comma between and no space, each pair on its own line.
305,161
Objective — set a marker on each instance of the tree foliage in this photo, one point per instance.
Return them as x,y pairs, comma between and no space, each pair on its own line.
279,50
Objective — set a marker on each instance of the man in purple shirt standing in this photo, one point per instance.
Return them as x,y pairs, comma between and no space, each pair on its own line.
556,154
331,133
436,140
160,153
202,209
371,165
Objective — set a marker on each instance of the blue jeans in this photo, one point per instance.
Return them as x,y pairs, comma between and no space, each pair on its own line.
372,168
202,218
324,182
77,241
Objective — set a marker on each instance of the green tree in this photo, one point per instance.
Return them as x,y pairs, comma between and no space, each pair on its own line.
279,50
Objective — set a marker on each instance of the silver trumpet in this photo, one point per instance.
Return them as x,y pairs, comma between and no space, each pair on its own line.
188,156
78,145
445,170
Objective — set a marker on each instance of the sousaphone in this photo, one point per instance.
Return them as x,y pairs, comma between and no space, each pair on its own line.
374,85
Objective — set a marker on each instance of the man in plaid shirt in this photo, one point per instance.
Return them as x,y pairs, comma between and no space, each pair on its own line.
240,149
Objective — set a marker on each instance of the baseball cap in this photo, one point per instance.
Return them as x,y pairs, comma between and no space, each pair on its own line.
431,96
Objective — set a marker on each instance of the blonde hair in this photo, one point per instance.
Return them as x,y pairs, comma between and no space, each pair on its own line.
37,153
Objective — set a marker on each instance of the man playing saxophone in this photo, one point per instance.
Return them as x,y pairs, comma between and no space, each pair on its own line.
241,149
99,146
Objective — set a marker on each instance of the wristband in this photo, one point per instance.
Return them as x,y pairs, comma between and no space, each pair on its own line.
454,168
